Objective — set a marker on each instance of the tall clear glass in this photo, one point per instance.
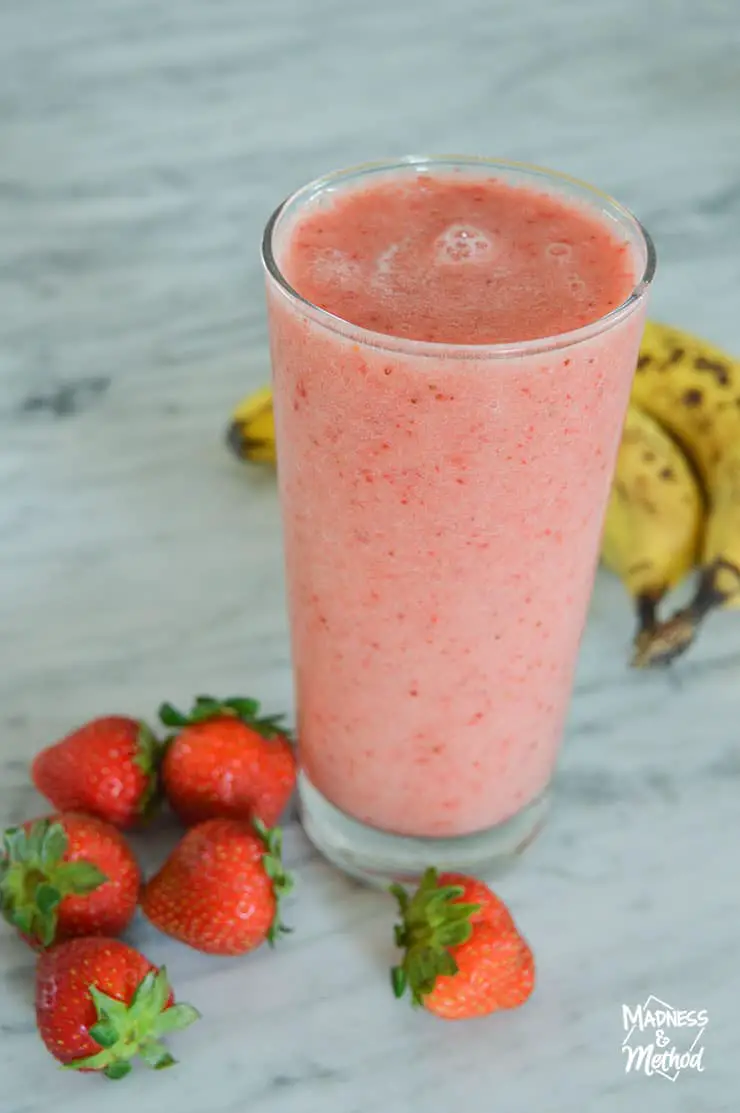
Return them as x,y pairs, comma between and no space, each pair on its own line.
439,557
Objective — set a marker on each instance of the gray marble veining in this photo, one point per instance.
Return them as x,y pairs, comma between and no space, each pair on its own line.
142,146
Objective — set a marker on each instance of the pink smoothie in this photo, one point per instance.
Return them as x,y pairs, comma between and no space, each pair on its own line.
443,513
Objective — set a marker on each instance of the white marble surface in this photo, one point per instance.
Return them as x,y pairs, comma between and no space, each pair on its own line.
142,145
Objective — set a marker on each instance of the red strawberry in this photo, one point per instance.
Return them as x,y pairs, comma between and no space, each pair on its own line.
220,888
65,876
226,762
464,956
107,768
99,1004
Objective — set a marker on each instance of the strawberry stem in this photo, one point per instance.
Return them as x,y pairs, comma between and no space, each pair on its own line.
34,878
282,881
124,1032
206,708
433,921
149,754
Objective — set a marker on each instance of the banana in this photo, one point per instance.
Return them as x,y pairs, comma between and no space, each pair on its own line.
654,518
251,432
692,389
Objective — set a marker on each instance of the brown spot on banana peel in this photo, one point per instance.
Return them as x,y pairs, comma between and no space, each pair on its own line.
663,642
676,356
639,566
715,367
692,398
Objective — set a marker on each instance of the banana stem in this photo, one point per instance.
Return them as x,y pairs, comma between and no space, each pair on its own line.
663,642
646,617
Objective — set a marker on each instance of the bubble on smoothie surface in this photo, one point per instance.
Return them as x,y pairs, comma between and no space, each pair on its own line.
386,264
335,265
577,286
559,250
463,243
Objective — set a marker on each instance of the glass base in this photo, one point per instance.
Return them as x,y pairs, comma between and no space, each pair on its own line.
377,858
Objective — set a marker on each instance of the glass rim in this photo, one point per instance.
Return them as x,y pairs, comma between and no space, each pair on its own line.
445,349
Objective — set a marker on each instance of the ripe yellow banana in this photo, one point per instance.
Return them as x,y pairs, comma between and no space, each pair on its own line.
693,390
654,518
251,432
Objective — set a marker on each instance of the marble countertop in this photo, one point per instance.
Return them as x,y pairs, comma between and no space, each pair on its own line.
143,145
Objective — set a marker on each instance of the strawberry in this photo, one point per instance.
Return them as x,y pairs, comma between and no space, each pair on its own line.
227,762
464,956
107,768
220,888
66,876
100,1003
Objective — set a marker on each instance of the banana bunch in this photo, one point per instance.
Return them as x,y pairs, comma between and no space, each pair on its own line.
675,499
692,389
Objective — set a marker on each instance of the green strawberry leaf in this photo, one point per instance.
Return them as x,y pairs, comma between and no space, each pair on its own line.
282,881
148,748
160,991
143,991
207,707
79,877
165,1061
117,1070
44,928
175,1019
271,726
105,1033
152,994
452,935
35,838
149,755
398,981
54,845
156,1055
171,717
108,1008
244,708
98,1061
47,899
14,842
401,896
